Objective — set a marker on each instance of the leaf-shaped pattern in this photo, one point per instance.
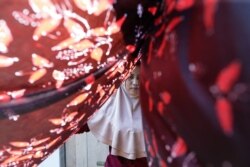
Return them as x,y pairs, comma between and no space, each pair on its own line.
25,157
93,6
225,115
38,154
45,27
79,99
20,144
10,160
184,4
99,31
17,93
37,75
83,4
74,29
40,61
179,148
58,75
57,121
5,36
40,141
7,61
84,44
71,116
209,13
116,26
228,76
96,54
43,7
67,43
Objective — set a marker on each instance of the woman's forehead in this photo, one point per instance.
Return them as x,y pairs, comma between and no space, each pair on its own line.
136,71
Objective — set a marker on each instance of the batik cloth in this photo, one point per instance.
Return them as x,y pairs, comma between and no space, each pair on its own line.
60,60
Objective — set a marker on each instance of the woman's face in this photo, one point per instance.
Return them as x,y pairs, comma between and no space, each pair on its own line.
132,83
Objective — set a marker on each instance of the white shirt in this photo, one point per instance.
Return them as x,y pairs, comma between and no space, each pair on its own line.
118,123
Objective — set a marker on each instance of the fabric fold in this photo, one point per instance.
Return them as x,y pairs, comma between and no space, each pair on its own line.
114,124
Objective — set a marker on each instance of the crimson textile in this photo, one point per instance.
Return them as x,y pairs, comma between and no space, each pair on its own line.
60,60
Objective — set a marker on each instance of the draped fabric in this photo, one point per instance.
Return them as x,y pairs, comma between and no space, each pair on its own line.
195,90
60,60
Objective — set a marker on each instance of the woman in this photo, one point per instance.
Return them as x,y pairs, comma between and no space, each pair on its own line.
119,124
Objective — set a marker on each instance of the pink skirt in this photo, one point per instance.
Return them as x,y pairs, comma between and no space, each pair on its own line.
117,161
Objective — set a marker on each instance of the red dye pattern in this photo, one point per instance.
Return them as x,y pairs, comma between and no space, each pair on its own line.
150,104
228,76
209,13
4,97
158,21
121,21
225,115
152,10
179,148
90,79
130,48
163,163
151,151
160,107
150,50
166,97
184,4
171,6
160,31
147,86
173,24
162,47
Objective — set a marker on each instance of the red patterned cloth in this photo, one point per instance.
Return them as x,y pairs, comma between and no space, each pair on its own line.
61,59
